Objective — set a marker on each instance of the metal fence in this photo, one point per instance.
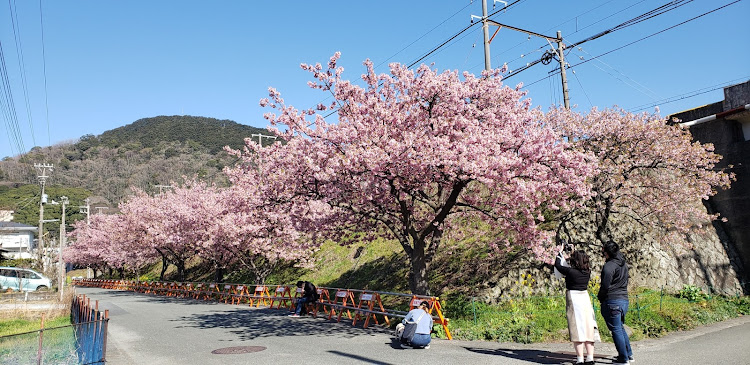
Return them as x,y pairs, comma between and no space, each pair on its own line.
82,342
90,330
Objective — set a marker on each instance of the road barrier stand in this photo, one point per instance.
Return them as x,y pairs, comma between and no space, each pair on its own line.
240,293
283,297
226,293
342,300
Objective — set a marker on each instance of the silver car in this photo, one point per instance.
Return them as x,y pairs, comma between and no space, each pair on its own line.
22,279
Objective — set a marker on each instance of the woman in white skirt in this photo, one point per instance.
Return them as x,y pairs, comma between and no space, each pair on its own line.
581,321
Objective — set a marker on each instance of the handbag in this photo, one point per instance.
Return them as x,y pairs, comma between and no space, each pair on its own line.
410,328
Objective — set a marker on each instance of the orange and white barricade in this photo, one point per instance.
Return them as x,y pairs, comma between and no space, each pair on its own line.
366,309
343,300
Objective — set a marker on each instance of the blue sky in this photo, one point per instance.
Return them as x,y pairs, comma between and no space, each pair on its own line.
110,63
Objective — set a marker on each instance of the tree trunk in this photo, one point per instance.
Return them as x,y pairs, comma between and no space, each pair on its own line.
164,265
219,275
418,274
180,269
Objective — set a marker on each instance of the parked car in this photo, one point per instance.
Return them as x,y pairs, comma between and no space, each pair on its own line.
23,279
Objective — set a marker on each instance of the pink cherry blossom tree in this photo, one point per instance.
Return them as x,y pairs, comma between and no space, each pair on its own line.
262,225
107,242
414,153
650,173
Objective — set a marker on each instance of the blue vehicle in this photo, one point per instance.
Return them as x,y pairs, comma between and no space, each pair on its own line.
22,279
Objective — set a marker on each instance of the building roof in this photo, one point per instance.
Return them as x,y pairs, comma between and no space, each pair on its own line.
13,226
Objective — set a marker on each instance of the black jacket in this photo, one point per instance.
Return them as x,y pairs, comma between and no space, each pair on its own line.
614,279
310,292
574,279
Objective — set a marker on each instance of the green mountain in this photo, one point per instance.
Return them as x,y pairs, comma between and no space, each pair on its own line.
144,154
210,133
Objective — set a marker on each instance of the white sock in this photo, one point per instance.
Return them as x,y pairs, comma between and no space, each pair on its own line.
579,358
589,357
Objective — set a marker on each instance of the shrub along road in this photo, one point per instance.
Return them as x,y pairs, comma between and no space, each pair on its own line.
146,329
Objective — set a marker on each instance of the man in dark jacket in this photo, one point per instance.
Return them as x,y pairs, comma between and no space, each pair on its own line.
309,295
613,296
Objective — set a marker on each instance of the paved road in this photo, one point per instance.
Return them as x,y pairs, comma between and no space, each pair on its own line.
145,329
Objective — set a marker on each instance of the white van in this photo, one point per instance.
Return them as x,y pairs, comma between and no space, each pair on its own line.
22,279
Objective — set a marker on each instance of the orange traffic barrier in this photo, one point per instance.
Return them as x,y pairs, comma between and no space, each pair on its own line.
341,299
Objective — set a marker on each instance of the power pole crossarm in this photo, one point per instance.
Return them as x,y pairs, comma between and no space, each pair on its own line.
261,136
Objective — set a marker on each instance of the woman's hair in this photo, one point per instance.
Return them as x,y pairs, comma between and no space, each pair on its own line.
425,304
580,260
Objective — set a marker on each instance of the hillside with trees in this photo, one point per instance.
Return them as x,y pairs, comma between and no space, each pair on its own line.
144,154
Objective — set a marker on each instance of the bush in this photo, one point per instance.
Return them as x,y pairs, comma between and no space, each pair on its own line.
692,293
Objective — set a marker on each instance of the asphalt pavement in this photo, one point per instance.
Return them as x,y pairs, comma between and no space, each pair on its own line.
148,329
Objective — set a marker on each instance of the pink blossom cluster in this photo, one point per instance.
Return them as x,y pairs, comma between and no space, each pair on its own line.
650,172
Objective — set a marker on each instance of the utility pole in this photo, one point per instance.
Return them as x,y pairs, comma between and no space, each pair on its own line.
563,77
559,51
86,209
42,177
486,31
260,138
63,238
162,187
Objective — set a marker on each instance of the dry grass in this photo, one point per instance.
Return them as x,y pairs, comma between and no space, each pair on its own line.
20,306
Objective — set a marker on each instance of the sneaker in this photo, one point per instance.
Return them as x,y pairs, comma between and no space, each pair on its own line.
294,315
405,346
621,363
630,359
589,363
426,347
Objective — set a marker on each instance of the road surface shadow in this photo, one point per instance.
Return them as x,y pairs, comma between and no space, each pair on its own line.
153,298
533,356
252,323
359,358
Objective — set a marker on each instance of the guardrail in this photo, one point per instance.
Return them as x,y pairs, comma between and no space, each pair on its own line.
355,305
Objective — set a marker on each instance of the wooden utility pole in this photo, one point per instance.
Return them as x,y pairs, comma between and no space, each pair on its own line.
63,238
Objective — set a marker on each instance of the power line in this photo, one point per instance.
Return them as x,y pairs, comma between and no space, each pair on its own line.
19,50
582,89
653,34
672,5
44,67
407,46
423,35
9,108
689,94
650,93
441,45
556,26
